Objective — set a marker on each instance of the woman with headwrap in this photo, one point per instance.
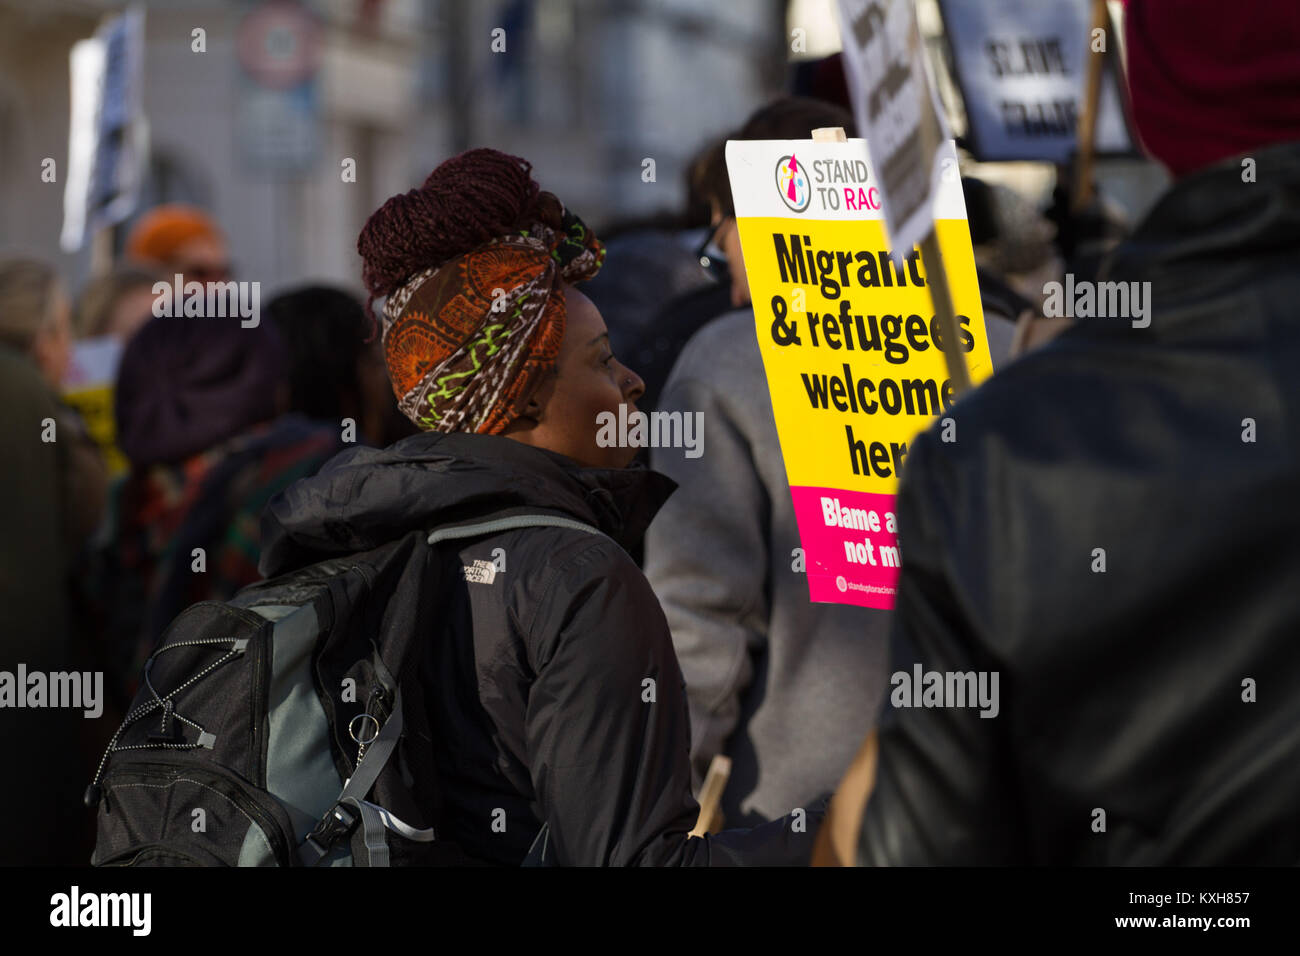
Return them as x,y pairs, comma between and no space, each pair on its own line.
551,681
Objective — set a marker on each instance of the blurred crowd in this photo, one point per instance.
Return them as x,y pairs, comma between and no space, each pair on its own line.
211,420
159,504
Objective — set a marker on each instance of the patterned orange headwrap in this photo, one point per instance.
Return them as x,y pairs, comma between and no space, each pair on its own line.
468,342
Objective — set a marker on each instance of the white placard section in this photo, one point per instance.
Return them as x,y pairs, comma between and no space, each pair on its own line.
1022,67
829,180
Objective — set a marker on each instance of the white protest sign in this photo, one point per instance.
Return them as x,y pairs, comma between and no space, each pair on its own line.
86,65
1021,66
107,133
896,111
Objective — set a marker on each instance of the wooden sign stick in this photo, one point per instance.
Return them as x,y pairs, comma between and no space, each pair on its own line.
715,781
1087,130
829,134
937,279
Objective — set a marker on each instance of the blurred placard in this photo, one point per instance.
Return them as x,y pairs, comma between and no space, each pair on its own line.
88,387
1021,67
107,132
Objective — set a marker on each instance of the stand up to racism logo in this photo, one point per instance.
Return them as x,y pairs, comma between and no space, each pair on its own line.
792,183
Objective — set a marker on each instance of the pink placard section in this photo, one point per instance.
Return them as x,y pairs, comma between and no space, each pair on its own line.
851,558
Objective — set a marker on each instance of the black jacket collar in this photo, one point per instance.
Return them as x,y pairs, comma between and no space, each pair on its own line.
365,497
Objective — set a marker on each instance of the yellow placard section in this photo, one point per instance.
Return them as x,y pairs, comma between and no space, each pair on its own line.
851,345
95,405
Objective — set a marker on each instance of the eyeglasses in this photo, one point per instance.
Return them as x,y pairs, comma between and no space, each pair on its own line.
710,255
218,272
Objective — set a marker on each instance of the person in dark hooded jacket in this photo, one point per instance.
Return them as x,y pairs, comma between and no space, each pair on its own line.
1114,530
554,694
198,409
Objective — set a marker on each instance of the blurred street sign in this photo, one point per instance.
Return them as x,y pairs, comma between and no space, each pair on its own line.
278,129
279,48
279,44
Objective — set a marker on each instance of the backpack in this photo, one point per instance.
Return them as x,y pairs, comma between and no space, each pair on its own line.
286,726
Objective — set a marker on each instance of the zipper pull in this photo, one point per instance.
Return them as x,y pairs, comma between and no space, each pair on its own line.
363,729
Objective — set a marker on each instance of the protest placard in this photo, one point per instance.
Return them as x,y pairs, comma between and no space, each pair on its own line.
1021,66
108,135
88,387
854,354
896,110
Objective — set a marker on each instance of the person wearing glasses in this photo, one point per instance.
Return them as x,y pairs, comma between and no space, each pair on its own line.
721,247
682,302
177,238
778,684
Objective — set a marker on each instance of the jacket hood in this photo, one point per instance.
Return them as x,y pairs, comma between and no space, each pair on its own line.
365,497
1209,229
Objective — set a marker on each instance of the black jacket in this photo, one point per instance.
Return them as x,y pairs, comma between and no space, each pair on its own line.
554,691
1173,450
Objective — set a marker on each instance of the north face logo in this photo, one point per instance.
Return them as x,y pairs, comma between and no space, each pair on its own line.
480,572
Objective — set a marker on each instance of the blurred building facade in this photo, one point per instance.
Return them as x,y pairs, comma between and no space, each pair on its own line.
586,90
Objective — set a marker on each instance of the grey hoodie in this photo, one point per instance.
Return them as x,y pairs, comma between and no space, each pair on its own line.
786,688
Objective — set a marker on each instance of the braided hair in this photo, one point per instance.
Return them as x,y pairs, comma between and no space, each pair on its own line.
467,200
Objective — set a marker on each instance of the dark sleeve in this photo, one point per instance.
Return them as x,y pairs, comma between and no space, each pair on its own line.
942,793
83,479
608,750
42,815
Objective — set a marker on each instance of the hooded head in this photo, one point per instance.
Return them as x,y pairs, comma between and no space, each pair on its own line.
185,385
1208,82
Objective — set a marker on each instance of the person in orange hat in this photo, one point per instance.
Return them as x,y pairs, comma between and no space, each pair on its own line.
181,239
